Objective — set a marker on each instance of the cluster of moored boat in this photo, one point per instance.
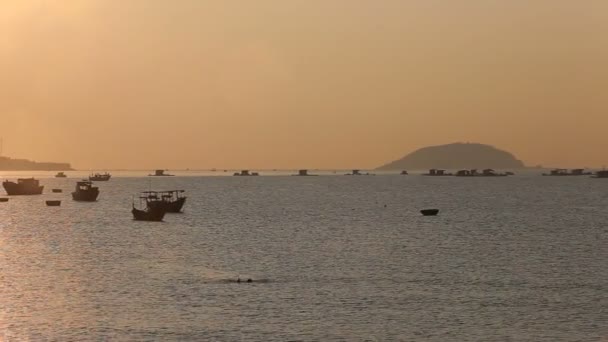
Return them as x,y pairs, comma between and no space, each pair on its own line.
153,205
468,173
577,172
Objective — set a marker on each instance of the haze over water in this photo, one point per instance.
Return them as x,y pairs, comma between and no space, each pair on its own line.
518,258
302,83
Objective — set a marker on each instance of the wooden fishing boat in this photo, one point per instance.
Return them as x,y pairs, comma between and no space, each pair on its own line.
85,192
172,201
100,177
150,212
24,186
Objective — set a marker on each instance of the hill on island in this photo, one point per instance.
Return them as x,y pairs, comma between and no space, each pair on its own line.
456,156
9,164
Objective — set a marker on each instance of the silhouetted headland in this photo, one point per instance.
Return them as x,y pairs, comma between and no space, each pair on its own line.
9,164
456,156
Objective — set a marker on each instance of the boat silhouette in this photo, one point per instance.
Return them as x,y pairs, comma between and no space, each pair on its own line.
245,173
171,201
437,173
100,177
85,192
160,173
564,172
150,212
24,186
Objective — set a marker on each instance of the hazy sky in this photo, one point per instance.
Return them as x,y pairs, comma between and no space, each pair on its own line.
301,83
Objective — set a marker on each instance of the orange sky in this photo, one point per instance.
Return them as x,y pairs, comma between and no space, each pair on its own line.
301,83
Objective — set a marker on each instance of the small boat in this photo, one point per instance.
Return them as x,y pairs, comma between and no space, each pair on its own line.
437,173
100,177
172,201
152,212
60,175
3,199
429,212
246,173
564,172
57,191
160,173
358,173
475,173
303,173
53,203
24,186
85,192
404,173
601,174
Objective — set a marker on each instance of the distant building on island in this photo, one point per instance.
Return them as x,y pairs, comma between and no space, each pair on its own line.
9,164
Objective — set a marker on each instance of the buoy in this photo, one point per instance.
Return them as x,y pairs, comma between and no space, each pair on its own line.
429,212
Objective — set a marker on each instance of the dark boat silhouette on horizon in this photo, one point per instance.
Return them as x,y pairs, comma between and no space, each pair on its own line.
564,172
304,173
358,173
60,175
100,177
484,173
437,173
85,192
601,174
246,173
23,186
160,173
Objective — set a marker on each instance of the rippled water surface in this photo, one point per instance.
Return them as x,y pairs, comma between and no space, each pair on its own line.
333,258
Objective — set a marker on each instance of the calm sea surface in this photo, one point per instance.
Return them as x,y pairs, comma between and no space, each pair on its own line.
333,258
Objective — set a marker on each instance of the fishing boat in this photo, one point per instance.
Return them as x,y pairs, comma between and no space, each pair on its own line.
100,177
601,174
475,173
57,191
24,186
3,199
564,172
150,211
303,173
404,173
85,192
437,173
53,203
246,173
358,173
172,201
60,175
160,173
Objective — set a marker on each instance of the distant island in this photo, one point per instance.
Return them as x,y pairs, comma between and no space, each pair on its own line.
9,164
456,156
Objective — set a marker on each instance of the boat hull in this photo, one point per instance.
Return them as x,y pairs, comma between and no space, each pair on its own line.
152,214
86,196
14,189
99,179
